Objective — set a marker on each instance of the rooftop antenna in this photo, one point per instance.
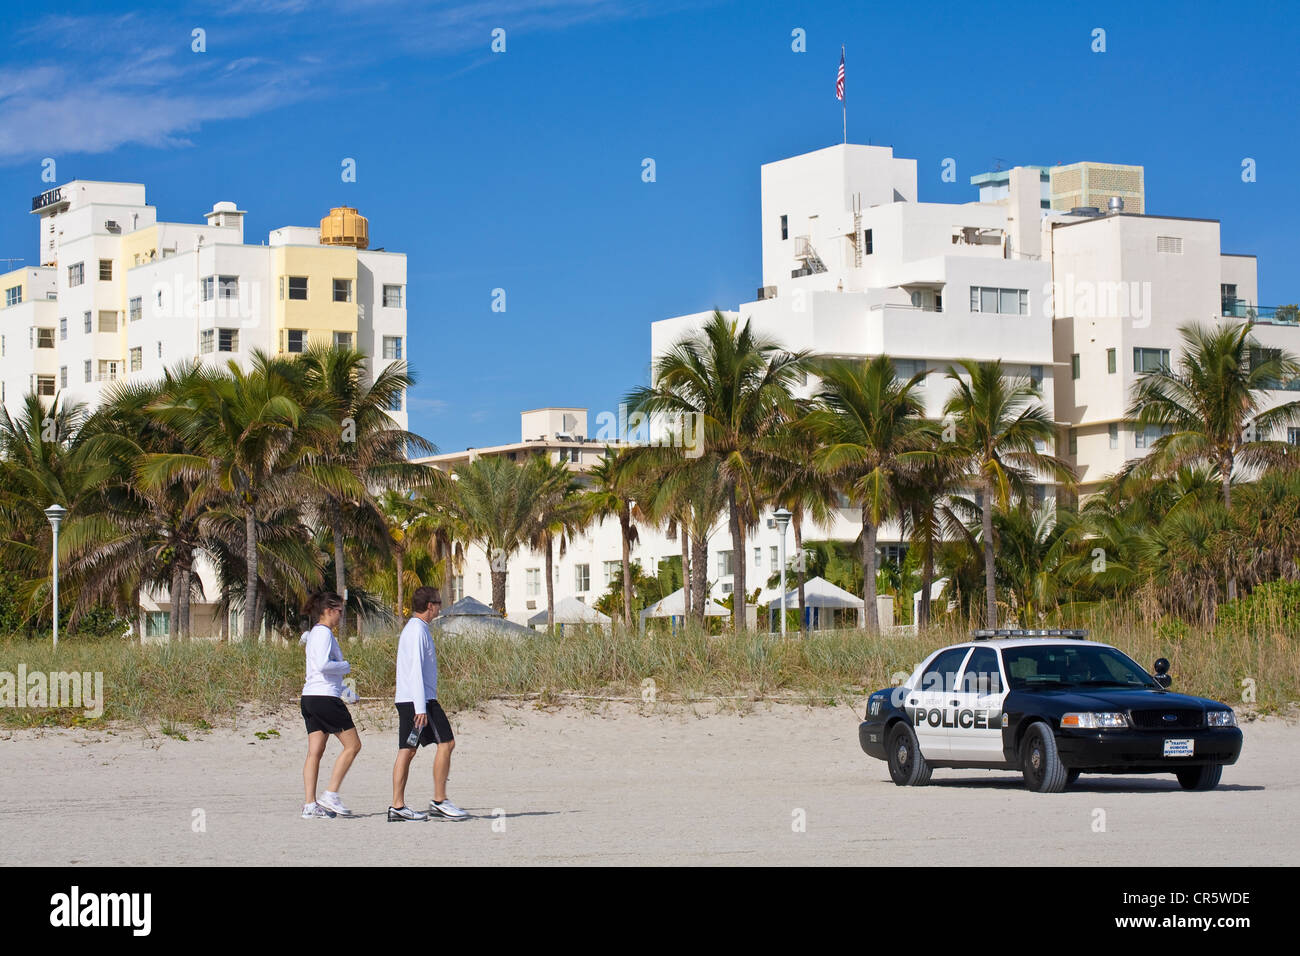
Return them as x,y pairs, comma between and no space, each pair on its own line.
997,164
11,261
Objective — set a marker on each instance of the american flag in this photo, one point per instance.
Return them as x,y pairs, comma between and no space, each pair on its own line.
839,79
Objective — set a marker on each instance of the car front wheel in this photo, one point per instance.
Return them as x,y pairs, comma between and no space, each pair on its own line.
1039,761
1200,778
907,766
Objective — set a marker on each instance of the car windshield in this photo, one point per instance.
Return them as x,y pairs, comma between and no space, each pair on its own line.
1071,665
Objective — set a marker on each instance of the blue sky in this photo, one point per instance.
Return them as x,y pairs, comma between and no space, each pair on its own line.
522,170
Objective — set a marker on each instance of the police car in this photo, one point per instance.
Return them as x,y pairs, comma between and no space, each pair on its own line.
1050,704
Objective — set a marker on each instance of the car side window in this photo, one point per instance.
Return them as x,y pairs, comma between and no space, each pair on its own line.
941,674
982,675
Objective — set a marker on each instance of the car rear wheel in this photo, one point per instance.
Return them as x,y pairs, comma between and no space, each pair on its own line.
907,766
1200,778
1039,761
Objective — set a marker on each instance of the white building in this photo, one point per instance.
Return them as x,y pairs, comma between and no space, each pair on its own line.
120,295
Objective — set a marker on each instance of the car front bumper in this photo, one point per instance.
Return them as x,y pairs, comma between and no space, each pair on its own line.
1144,749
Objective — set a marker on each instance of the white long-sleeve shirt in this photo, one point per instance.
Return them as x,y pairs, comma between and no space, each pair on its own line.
417,666
325,664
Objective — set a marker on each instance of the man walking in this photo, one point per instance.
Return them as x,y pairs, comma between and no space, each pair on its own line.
421,720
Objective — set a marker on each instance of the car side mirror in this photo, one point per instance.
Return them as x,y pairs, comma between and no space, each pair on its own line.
1162,673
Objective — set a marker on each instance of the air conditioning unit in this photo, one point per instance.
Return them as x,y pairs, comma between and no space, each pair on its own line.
531,605
112,226
771,522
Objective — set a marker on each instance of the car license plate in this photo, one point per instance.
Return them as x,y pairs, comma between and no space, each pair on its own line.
1178,748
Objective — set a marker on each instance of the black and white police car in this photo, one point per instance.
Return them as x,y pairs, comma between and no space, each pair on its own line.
1050,704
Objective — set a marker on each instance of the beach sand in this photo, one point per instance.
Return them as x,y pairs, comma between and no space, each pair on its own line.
615,784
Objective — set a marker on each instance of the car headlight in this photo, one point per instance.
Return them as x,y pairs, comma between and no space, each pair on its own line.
1095,720
1220,718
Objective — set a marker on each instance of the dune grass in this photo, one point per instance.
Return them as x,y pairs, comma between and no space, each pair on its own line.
200,683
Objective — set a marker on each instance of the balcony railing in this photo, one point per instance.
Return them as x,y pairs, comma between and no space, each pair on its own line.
1261,314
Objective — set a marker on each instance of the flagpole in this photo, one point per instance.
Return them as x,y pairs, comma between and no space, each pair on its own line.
844,103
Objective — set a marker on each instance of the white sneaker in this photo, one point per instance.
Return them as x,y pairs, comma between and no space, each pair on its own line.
314,811
398,814
447,809
331,801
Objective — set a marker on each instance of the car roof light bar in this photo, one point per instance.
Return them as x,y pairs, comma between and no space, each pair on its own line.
985,634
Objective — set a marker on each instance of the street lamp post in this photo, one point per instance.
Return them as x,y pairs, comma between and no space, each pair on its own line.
55,513
782,517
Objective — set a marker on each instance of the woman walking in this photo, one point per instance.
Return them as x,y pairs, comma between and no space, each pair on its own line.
323,708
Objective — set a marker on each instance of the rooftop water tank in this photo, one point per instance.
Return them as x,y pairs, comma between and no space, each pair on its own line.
344,226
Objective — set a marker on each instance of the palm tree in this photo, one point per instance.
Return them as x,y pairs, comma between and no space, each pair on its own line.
493,502
735,385
871,433
929,515
998,424
559,511
248,436
1206,403
611,492
369,444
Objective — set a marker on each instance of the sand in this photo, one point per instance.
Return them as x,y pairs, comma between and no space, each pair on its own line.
616,784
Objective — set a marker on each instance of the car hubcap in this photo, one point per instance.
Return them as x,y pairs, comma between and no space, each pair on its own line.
902,755
1036,759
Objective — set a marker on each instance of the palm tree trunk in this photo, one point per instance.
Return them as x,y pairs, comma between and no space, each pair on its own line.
686,567
699,577
174,618
550,586
400,602
259,611
797,521
340,578
250,575
625,524
871,621
187,583
1226,468
927,582
499,590
990,583
737,564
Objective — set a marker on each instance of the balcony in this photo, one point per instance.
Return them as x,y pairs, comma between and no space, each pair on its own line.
1261,314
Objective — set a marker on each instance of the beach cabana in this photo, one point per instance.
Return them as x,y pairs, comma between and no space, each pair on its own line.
674,607
570,610
821,601
471,618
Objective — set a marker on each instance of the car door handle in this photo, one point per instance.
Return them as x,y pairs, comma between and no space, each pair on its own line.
955,703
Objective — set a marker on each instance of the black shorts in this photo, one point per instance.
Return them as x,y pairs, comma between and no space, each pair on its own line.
437,730
325,713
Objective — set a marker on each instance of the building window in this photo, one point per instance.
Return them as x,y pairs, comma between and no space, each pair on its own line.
1148,436
393,296
867,246
532,582
395,403
63,376
107,321
86,369
227,340
135,308
86,321
157,623
999,301
105,270
207,339
582,577
45,385
207,288
1074,365
1110,361
342,290
774,558
724,564
297,287
1293,436
904,369
392,346
1228,297
13,295
1074,442
297,340
1036,376
109,369
45,338
137,358
228,287
343,340
1170,244
76,273
1150,360
1113,431
613,571
785,227
758,557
